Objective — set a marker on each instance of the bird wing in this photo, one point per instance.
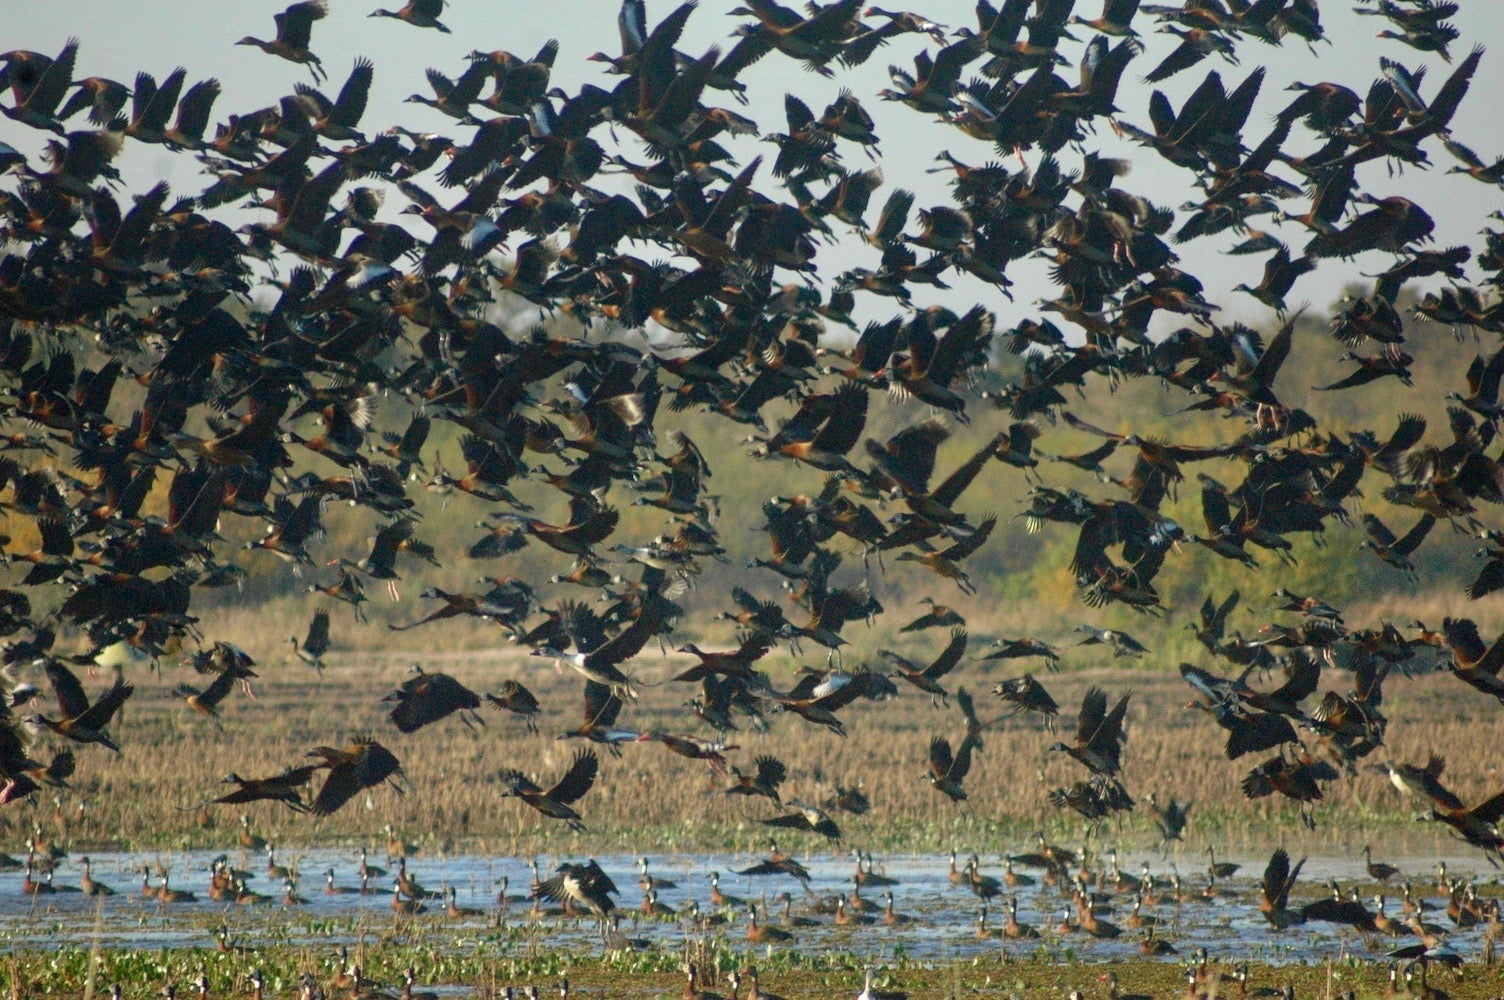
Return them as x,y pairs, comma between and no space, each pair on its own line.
1277,880
601,706
1093,714
339,787
577,780
317,642
99,714
1415,535
770,771
1489,811
949,656
215,693
629,641
71,699
1378,531
941,760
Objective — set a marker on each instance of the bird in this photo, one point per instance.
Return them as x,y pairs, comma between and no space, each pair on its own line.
1028,695
1279,879
557,802
363,764
284,787
206,702
806,817
927,678
429,697
1099,734
294,30
946,769
938,616
769,773
81,721
315,643
420,14
517,699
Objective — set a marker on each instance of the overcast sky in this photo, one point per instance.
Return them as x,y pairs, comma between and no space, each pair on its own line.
118,38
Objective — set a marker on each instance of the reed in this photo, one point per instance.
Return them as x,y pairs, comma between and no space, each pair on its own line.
154,794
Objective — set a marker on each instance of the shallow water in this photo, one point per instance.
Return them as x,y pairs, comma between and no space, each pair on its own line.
944,927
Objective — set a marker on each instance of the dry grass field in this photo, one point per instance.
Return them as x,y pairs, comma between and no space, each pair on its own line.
173,760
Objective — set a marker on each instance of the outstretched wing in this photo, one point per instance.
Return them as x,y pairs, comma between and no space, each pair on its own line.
578,779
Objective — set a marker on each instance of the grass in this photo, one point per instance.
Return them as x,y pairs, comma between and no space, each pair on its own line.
483,967
153,795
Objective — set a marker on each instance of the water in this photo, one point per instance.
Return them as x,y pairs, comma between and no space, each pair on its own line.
945,925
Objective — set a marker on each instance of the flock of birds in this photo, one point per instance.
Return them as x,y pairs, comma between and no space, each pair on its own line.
154,392
1083,897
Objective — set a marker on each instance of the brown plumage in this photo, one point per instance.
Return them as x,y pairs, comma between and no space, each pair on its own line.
363,764
285,788
556,802
428,698
517,699
1099,734
80,721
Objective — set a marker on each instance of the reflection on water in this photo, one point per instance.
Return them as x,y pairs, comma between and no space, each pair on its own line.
945,925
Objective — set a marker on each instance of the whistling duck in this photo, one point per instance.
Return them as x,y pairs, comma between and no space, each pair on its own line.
454,910
845,917
1096,927
410,978
248,839
755,992
274,871
866,876
892,918
1378,871
1218,869
857,902
1383,922
955,875
368,870
404,907
313,647
984,932
719,898
410,886
556,802
1152,946
981,885
167,894
789,918
762,934
651,907
1013,879
294,29
397,847
646,881
419,13
31,887
1138,919
87,883
1013,929
692,989
1066,926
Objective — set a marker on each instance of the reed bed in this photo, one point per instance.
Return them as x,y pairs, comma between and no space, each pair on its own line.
154,795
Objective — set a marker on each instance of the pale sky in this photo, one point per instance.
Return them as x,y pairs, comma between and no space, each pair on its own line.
118,38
